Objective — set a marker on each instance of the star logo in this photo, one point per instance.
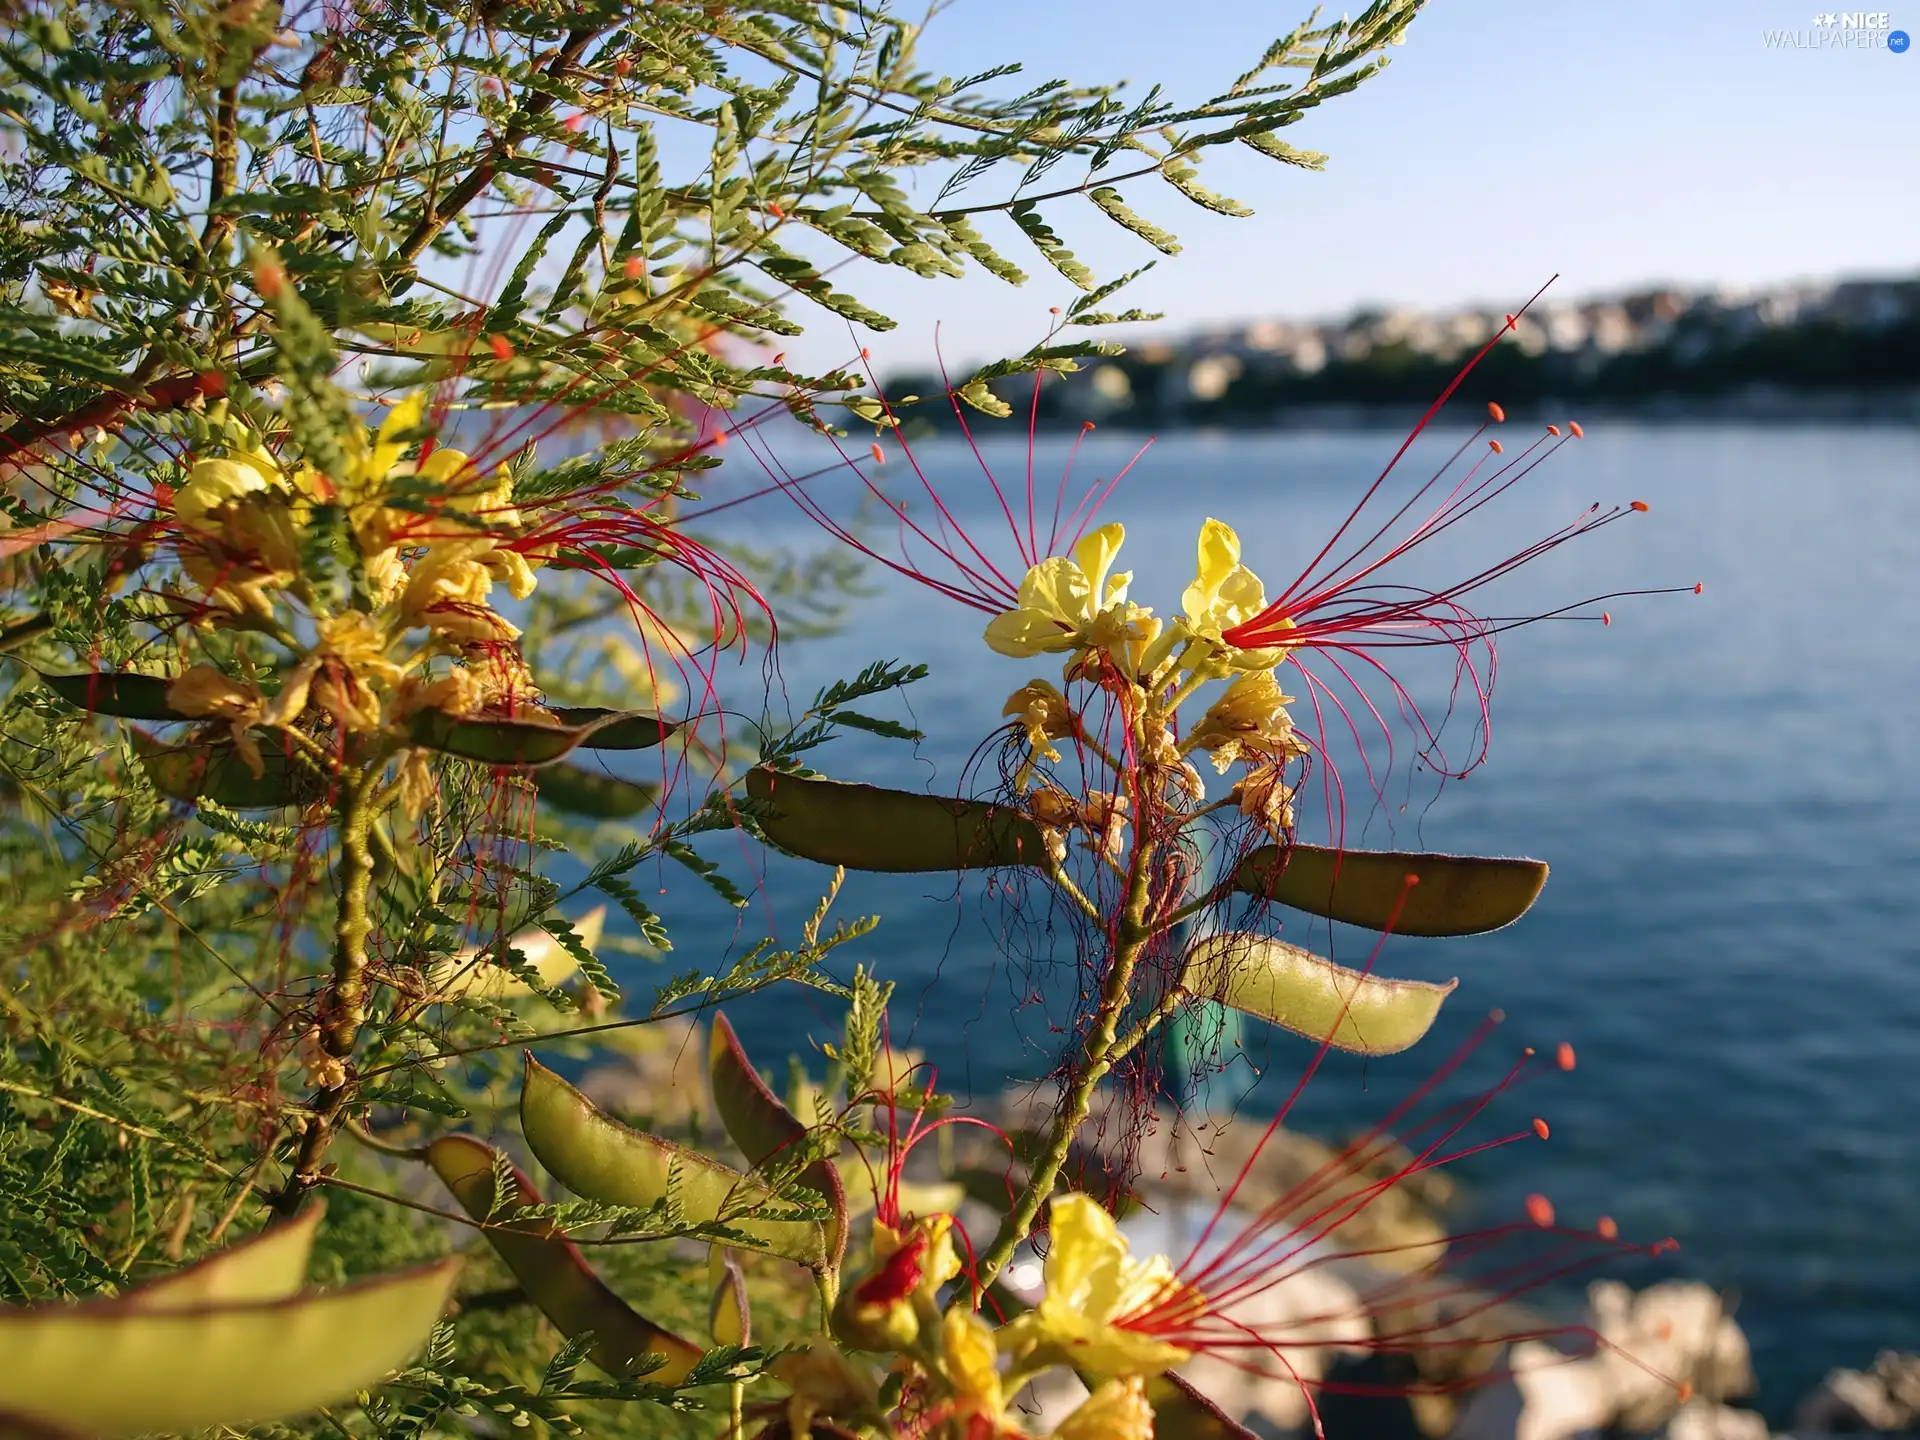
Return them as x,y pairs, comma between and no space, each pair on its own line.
1826,18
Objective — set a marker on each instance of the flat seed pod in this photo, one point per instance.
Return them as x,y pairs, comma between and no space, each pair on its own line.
551,1269
270,1266
1299,991
1455,894
615,729
126,697
109,1369
580,791
762,1127
508,740
594,1155
215,770
866,827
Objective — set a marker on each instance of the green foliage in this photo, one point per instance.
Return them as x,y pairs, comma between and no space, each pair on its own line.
259,958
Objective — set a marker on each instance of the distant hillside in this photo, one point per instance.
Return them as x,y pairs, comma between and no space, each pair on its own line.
1850,348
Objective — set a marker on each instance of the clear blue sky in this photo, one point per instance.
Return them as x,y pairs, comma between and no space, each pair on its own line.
1613,141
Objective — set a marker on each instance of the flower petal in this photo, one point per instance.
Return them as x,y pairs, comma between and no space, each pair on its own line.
1095,555
1026,632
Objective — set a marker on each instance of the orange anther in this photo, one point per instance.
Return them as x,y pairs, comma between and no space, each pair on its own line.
1606,617
719,439
1494,445
781,358
773,209
1641,506
1606,1229
1540,1128
501,346
1495,413
1699,589
635,267
879,455
1686,1391
866,354
1563,1057
1553,429
1086,425
1540,1210
1574,426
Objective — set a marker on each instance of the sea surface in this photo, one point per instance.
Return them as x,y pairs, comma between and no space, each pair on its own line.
1727,787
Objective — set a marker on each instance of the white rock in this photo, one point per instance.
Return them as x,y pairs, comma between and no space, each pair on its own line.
1702,1419
1559,1397
1887,1397
1670,1334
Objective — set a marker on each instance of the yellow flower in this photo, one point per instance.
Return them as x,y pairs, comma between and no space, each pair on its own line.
1118,1410
1265,796
447,593
216,482
1045,713
1224,593
203,692
1092,1282
242,514
824,1384
1249,720
885,1309
356,672
969,1361
1075,604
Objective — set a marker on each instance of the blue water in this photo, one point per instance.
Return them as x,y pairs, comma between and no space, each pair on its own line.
1727,787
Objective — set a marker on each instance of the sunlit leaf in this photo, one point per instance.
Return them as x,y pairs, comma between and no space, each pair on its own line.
472,973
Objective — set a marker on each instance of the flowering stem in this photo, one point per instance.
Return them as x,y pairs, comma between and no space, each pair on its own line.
1097,1058
1063,882
1147,1024
343,1006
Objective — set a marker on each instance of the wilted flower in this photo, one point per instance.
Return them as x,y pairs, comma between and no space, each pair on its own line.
1045,714
1250,720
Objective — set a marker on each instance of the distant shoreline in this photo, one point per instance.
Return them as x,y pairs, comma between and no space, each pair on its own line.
1757,406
